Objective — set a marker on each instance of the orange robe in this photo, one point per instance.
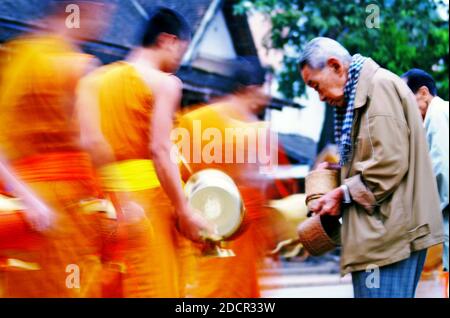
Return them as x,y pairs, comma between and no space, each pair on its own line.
232,277
149,243
40,139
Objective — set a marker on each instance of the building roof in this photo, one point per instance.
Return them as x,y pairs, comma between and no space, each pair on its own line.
129,18
16,16
192,10
128,21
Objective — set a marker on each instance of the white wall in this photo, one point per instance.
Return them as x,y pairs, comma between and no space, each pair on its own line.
307,122
217,42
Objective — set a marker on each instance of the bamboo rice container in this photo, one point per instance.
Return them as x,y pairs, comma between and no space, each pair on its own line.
318,183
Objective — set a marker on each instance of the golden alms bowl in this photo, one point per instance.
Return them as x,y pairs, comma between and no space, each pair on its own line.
214,195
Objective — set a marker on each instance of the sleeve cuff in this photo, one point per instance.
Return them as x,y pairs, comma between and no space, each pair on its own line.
360,193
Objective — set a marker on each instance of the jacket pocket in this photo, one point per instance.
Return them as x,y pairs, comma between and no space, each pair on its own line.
374,224
393,204
418,232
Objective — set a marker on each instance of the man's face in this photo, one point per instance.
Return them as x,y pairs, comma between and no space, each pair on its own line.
329,82
422,97
174,49
258,98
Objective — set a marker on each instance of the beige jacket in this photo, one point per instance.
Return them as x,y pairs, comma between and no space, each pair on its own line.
395,208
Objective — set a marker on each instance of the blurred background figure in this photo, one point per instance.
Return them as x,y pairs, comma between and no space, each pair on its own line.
434,111
220,36
127,110
43,162
237,111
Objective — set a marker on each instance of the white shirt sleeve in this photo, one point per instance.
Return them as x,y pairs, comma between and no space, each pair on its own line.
437,130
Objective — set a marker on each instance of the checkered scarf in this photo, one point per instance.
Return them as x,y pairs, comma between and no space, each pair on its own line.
343,116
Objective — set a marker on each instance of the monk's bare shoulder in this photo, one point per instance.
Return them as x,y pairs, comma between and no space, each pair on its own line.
163,83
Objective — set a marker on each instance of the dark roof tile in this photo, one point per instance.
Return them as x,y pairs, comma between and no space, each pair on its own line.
192,10
129,23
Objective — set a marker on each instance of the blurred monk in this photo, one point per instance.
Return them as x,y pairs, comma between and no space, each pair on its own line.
127,111
235,277
44,165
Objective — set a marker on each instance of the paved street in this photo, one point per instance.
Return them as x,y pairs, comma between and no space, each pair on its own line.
311,280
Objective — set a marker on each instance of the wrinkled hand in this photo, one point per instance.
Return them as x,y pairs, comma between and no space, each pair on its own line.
194,226
329,204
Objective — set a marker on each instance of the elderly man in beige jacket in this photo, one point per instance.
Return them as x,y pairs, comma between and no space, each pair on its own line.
388,199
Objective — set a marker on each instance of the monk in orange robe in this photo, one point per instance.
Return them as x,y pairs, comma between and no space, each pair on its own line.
45,167
233,277
127,112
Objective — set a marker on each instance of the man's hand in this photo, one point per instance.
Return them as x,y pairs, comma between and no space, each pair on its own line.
36,212
329,204
193,226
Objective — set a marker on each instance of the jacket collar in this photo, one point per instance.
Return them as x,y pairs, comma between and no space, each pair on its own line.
365,78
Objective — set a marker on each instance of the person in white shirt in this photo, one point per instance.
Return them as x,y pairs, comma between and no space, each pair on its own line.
434,111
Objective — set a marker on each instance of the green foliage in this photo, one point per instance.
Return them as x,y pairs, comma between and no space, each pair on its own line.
410,34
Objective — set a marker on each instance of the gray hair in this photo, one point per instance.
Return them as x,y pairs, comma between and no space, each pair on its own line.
319,50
